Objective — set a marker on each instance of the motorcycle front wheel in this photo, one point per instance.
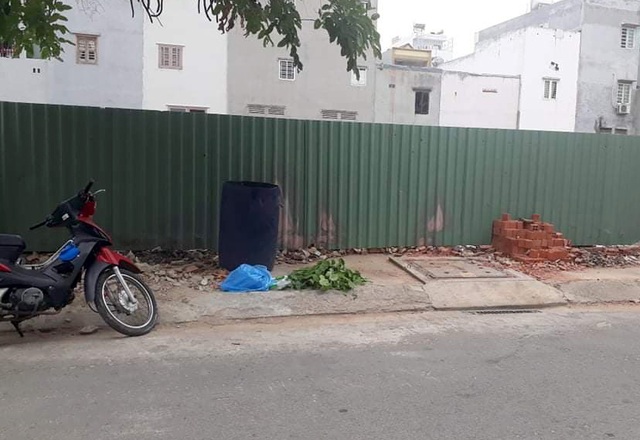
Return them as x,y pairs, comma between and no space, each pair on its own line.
131,318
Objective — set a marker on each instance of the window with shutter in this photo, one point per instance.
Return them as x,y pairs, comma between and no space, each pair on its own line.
86,49
170,56
551,89
624,92
628,37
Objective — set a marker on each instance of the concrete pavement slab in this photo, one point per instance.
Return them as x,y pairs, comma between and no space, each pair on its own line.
492,294
600,285
370,298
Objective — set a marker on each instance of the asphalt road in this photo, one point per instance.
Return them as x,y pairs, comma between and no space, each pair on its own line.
552,375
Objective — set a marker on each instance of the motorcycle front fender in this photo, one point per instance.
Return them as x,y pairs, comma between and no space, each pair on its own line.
91,281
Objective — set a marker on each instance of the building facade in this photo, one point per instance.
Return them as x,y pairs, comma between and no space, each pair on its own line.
263,81
546,60
117,60
568,66
608,58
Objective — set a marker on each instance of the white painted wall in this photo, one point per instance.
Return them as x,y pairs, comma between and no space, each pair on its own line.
470,100
395,94
543,47
116,79
529,53
203,79
502,56
24,80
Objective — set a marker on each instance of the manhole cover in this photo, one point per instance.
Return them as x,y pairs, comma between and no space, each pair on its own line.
425,269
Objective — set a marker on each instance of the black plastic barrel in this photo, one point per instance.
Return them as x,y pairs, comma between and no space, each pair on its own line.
249,220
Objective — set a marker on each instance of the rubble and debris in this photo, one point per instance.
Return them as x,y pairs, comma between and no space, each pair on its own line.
88,330
199,270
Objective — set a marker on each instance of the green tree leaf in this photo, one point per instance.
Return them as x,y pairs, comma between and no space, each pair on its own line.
28,23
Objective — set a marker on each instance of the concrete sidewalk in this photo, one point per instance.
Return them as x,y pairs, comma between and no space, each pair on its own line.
431,284
390,289
602,285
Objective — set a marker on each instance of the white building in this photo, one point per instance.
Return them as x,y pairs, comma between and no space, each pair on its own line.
479,101
547,62
119,61
183,63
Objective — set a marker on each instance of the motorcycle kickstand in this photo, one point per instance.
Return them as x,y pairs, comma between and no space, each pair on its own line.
16,325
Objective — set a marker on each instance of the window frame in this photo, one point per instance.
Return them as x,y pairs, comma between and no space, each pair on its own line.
620,92
86,38
426,92
550,93
625,41
363,74
187,109
170,47
280,70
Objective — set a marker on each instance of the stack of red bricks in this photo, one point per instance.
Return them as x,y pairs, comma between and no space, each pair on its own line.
529,241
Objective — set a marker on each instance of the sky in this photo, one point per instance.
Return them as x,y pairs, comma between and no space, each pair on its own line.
460,19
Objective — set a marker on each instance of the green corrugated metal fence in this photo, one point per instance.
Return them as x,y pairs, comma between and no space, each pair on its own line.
344,184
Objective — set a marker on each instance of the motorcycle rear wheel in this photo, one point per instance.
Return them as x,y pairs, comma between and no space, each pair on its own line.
118,312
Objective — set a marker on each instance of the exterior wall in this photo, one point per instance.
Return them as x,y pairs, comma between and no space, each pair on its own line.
116,79
503,55
566,15
23,82
479,101
203,78
542,48
324,84
533,54
395,94
603,62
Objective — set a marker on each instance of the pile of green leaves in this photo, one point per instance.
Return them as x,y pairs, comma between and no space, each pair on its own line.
326,275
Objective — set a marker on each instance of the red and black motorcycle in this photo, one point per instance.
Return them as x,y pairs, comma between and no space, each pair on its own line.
112,285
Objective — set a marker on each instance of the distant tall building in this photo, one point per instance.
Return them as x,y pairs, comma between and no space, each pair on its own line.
438,43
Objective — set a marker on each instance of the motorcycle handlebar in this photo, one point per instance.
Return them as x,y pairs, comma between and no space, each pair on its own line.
88,187
39,225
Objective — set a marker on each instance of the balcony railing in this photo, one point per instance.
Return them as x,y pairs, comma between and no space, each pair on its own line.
6,51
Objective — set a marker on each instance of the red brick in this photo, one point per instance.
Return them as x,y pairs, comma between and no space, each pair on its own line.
528,260
511,233
545,244
524,243
535,218
511,224
558,242
558,254
506,217
548,227
520,225
536,244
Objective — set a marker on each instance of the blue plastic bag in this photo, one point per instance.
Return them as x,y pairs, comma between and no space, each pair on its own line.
248,278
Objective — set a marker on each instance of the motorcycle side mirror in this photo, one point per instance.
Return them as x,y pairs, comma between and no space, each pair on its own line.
99,191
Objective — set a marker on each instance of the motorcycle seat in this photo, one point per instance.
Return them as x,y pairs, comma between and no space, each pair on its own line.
11,247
